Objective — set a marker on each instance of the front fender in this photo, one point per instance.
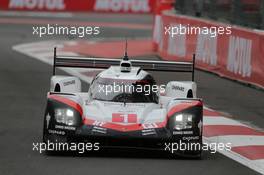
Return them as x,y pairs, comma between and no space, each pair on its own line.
55,101
193,107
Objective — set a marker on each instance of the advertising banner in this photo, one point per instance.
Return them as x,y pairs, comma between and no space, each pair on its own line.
229,51
112,6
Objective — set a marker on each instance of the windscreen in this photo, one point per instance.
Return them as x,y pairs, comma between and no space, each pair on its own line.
128,91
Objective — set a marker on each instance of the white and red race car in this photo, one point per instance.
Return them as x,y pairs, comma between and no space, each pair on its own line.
124,107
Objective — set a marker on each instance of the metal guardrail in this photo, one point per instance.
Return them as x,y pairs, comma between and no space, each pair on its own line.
249,13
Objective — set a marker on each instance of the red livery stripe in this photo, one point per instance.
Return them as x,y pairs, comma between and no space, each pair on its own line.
121,127
132,118
68,102
123,118
117,117
183,106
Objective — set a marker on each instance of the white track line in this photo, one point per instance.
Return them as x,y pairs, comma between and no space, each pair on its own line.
221,121
44,57
239,140
256,165
235,140
36,14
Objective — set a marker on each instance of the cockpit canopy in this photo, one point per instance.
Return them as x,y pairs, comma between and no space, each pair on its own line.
127,91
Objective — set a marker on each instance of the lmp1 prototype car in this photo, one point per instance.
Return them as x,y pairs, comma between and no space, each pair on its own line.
124,107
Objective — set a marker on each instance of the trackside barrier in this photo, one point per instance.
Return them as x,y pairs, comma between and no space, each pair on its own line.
110,6
238,54
161,5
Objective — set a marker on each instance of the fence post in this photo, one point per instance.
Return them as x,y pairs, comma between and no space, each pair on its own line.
262,14
180,6
237,12
212,9
199,8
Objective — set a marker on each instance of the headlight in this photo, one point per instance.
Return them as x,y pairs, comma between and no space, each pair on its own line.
65,116
183,121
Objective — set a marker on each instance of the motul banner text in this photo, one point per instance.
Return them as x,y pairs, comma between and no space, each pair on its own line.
119,6
231,51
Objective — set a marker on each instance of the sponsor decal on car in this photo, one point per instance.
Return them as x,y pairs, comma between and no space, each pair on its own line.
150,125
98,123
99,130
51,131
178,88
124,118
148,132
182,132
69,82
65,127
189,138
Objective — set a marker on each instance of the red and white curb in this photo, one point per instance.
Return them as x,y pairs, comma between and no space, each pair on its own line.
43,51
247,143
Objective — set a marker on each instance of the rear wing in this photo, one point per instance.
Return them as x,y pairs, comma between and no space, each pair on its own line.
104,63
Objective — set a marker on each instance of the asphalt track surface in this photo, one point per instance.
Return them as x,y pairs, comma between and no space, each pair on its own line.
24,83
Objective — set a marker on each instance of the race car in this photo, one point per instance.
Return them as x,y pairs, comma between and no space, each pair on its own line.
124,107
